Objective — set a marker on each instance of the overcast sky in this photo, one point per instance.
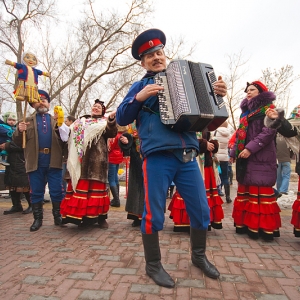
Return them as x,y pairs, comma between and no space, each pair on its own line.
268,31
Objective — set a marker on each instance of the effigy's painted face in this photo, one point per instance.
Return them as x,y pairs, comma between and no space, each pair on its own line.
30,60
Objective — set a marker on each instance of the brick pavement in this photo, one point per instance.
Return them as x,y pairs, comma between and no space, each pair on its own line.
67,263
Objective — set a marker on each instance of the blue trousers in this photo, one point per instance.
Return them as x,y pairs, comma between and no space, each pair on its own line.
160,169
38,180
224,173
113,178
283,176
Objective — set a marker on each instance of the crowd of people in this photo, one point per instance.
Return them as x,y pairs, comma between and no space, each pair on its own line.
80,159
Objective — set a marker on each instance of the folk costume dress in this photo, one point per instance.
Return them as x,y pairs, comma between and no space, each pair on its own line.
214,200
87,200
135,197
255,208
179,214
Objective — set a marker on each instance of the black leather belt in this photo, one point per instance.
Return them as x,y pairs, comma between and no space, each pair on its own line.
45,150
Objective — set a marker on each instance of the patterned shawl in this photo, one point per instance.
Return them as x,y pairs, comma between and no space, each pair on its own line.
83,132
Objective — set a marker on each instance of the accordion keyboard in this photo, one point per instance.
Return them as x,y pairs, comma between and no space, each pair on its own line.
165,105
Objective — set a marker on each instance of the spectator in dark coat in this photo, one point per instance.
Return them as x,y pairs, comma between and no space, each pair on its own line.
255,208
16,179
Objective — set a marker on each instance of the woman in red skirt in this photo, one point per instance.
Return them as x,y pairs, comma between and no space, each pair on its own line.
87,200
255,210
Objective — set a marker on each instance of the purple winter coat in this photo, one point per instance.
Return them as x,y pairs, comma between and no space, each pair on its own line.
260,141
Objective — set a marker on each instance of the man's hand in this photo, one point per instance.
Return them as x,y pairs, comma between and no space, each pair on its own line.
148,91
23,126
2,146
220,87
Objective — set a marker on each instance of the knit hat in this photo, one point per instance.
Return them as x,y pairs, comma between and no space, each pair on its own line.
9,115
259,85
295,114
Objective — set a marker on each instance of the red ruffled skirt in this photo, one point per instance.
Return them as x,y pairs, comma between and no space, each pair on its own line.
178,213
255,210
296,213
214,200
90,201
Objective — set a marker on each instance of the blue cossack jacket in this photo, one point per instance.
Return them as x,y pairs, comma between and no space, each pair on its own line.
153,134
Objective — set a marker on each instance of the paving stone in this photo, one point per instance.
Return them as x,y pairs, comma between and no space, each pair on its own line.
109,257
96,247
124,271
60,241
237,259
170,267
129,245
233,278
23,243
270,273
63,249
269,255
147,289
36,280
209,248
296,268
190,283
35,297
29,264
94,295
72,261
82,276
178,251
87,238
293,253
270,297
240,246
28,252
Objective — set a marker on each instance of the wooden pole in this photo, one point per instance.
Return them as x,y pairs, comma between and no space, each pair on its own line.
24,119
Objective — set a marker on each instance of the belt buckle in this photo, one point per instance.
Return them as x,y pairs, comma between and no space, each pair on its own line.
46,150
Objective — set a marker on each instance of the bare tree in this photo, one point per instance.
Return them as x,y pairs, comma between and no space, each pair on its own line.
280,82
17,20
237,70
95,54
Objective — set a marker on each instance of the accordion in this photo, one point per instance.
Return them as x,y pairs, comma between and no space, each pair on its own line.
188,101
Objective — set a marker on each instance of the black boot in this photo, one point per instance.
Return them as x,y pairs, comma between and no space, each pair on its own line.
227,193
199,259
16,204
37,210
154,268
115,202
56,213
28,210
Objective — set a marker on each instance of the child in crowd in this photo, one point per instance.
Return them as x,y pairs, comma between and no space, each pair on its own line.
7,128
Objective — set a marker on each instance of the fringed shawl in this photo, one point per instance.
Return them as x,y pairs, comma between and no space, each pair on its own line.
83,132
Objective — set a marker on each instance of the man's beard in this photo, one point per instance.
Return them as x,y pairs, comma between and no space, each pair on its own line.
42,110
